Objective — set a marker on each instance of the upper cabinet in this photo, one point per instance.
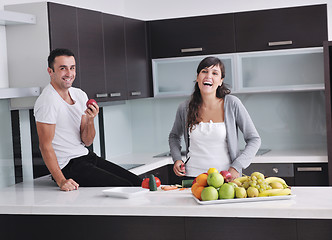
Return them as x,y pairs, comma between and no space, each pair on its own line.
192,36
63,30
111,51
115,57
139,84
295,27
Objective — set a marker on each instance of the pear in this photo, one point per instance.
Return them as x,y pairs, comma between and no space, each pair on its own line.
240,192
252,192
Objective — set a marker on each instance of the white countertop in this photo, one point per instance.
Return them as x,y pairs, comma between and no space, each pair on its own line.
42,196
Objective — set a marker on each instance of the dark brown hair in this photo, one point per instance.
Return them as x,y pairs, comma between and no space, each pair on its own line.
193,117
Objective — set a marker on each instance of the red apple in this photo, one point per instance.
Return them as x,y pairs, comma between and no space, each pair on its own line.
227,176
90,102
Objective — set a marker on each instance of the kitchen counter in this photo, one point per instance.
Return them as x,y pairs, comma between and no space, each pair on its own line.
42,196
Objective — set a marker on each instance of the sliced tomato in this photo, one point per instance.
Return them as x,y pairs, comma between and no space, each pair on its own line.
145,182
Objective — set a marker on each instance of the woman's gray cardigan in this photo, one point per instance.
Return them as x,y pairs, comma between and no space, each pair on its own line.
236,117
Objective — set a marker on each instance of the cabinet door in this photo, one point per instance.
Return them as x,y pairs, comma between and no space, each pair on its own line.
115,58
63,31
328,102
91,54
192,36
281,28
139,83
311,174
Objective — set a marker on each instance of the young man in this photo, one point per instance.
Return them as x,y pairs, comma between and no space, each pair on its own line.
65,126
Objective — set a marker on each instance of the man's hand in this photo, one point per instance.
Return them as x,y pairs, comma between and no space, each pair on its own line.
68,185
92,111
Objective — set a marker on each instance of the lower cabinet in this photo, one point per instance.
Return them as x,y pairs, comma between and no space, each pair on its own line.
165,174
311,174
295,174
148,227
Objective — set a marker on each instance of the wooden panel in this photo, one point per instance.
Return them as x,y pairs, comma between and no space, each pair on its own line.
139,83
328,100
115,58
63,31
318,229
240,228
311,174
91,50
214,34
304,26
90,227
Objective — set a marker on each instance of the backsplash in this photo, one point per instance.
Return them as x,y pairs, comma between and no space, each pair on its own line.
283,120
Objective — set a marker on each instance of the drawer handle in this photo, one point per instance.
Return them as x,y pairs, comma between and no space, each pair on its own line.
101,95
309,169
280,43
188,50
135,93
117,94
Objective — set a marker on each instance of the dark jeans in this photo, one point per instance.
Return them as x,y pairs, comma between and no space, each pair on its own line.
93,171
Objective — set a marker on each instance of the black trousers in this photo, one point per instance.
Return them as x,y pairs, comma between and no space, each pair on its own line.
93,171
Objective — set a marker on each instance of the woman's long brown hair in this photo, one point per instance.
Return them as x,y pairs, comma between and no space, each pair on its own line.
195,103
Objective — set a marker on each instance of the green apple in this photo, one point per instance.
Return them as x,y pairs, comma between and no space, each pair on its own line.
233,184
215,179
209,193
226,191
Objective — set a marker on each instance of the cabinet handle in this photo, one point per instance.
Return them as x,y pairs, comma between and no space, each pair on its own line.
275,170
309,169
187,50
135,93
116,94
101,95
280,43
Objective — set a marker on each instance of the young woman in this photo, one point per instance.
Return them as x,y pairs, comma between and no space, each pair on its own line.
209,123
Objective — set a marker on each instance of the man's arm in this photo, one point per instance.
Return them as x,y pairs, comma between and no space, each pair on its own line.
88,131
46,134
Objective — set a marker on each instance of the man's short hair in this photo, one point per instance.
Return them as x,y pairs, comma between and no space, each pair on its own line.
56,53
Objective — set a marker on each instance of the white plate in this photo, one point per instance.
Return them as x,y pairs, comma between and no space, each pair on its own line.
241,200
125,192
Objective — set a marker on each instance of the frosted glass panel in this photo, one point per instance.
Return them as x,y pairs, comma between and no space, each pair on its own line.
177,76
288,120
289,69
7,175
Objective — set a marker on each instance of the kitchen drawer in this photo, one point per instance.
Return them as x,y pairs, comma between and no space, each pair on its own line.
311,174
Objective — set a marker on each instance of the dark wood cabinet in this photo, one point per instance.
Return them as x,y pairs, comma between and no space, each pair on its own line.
192,36
91,53
139,82
295,27
63,31
311,174
328,101
111,52
115,57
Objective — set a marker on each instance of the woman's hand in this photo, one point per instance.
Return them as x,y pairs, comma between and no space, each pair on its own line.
235,174
179,168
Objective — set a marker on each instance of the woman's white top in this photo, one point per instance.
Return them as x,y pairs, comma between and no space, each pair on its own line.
207,148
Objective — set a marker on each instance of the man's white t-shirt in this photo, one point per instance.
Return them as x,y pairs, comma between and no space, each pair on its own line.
50,108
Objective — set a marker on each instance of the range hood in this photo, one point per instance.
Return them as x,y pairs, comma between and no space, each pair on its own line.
13,18
6,93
